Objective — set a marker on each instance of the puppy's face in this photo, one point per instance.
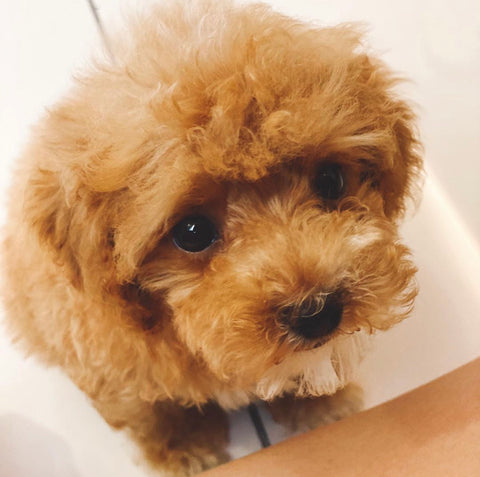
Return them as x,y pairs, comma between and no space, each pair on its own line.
256,275
241,196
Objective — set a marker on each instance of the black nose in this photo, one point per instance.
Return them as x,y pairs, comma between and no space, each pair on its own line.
312,323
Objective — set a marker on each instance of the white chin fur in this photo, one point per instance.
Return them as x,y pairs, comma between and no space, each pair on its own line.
317,372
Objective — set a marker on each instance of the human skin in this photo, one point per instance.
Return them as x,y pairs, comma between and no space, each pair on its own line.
432,430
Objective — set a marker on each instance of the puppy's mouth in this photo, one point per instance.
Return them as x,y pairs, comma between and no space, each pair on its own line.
300,344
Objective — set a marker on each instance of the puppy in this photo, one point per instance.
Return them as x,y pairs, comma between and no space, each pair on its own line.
211,219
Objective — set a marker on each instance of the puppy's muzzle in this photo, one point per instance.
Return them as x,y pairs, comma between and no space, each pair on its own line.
312,320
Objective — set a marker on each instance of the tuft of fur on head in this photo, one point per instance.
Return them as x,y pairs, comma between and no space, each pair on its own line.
226,111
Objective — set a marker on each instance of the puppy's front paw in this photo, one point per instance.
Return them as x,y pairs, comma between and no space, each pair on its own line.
298,414
186,463
180,441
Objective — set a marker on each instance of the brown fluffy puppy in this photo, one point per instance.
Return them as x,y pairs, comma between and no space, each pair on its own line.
211,219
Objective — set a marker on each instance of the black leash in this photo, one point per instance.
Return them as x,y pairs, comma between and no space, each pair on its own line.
98,21
259,426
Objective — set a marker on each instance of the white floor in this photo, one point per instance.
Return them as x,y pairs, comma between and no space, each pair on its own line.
48,428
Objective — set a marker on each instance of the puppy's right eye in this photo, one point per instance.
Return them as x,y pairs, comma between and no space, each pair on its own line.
194,233
329,182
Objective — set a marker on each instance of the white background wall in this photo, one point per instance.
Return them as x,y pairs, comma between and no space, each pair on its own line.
436,43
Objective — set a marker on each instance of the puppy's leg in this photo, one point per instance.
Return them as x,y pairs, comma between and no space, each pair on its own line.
178,441
299,414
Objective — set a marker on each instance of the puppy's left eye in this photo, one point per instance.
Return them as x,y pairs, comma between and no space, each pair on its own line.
329,183
194,233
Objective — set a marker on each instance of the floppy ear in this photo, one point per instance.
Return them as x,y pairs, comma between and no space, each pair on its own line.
49,217
68,204
75,229
403,181
390,124
74,199
70,222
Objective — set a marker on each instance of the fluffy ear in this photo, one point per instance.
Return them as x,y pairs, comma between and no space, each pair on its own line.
74,227
394,124
71,223
70,214
49,217
403,181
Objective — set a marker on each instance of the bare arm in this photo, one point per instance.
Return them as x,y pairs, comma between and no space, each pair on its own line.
433,430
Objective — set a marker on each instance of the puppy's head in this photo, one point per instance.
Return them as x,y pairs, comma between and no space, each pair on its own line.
234,182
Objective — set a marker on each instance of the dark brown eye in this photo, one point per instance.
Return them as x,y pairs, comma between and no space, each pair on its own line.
329,183
194,233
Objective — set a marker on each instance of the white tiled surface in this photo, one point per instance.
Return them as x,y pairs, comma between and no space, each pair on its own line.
47,427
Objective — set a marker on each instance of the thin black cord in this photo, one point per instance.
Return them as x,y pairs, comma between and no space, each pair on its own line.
98,21
259,426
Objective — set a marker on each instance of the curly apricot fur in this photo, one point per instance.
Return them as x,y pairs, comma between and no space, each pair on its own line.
226,110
